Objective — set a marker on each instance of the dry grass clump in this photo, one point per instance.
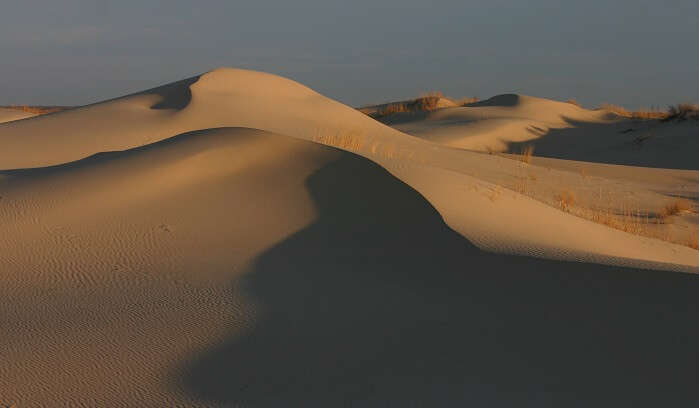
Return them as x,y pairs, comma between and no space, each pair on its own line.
526,153
630,219
675,207
639,114
683,111
350,141
425,103
37,110
565,200
573,101
392,108
680,111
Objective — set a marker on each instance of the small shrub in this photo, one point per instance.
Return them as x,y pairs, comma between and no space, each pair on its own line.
573,101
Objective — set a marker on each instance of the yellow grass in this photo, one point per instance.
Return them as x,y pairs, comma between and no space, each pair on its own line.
37,110
525,155
675,207
638,114
565,200
680,111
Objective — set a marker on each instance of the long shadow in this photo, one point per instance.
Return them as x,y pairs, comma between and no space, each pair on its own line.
379,303
627,142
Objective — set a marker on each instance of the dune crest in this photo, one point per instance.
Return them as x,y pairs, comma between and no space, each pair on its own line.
200,242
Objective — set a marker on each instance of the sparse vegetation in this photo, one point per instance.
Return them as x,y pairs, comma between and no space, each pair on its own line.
425,103
565,200
683,111
37,110
526,153
573,101
638,114
351,141
680,111
675,207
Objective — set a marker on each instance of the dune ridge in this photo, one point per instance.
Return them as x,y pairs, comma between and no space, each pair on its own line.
158,249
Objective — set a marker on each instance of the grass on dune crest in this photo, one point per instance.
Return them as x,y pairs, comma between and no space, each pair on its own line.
37,110
680,111
425,103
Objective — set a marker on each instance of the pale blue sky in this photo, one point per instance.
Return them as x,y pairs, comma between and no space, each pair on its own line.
637,52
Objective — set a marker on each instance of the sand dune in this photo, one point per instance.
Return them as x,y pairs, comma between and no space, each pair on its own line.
507,123
237,239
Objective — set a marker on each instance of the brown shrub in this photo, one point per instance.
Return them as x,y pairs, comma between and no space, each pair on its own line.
573,101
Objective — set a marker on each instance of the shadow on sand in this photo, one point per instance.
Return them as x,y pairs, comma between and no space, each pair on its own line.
379,303
626,142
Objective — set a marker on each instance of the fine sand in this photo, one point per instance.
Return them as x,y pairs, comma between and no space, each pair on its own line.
8,115
237,239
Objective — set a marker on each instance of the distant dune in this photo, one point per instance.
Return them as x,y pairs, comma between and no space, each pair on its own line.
8,115
237,239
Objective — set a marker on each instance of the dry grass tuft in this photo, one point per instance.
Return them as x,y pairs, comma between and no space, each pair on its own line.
525,155
680,111
425,103
565,200
683,111
37,110
639,114
573,101
675,207
351,141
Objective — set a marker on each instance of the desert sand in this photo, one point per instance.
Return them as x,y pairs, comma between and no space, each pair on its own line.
8,115
237,239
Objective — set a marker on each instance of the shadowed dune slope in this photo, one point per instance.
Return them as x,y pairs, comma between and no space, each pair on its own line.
235,267
510,122
240,98
391,308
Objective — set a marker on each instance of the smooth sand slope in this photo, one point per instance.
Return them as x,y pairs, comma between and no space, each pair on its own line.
199,245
